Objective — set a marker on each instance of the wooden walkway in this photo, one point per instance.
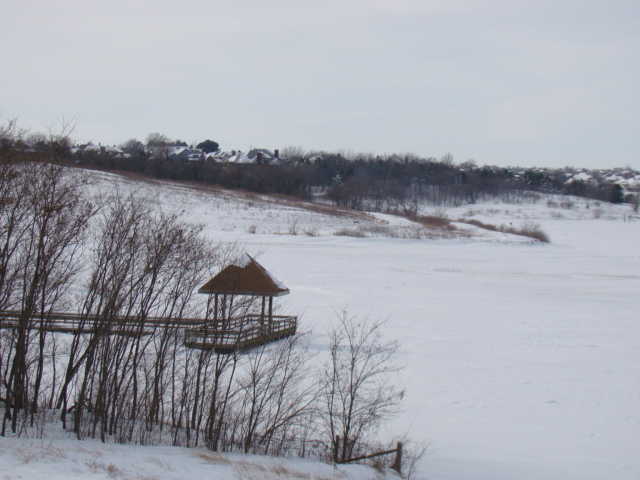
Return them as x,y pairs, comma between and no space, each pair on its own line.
241,333
236,334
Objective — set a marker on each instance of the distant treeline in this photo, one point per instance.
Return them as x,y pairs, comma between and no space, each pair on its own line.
367,182
394,183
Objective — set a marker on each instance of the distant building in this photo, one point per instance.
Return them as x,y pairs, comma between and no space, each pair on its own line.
185,154
95,150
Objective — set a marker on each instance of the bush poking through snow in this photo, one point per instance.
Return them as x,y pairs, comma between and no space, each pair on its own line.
533,230
350,232
528,229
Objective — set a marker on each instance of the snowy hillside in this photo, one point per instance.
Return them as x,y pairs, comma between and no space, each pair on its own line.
521,357
71,459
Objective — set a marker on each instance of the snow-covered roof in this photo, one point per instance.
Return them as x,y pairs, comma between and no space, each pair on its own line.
630,183
240,157
266,154
92,148
176,150
218,156
581,177
615,179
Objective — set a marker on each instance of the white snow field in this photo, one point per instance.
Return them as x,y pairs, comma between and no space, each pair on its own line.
522,359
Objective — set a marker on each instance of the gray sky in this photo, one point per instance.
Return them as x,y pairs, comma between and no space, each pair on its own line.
529,83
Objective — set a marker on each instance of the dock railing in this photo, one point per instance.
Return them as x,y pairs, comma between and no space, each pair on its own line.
237,333
241,332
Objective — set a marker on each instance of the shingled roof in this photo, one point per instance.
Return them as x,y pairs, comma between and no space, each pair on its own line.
250,279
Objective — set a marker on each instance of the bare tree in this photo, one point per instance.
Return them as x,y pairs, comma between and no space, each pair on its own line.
274,395
59,137
158,145
292,153
357,381
133,146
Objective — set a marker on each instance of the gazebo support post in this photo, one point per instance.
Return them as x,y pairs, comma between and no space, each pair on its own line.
224,308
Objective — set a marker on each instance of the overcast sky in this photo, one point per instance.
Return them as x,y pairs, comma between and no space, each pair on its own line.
528,83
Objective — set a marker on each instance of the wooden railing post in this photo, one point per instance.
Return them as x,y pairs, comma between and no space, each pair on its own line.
397,465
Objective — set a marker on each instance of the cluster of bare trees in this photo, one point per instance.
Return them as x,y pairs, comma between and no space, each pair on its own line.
124,273
381,183
44,220
364,182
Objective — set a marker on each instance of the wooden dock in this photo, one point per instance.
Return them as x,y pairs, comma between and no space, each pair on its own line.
225,336
240,334
223,333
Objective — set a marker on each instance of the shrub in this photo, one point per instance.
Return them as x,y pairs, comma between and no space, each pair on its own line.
528,229
533,230
431,221
350,232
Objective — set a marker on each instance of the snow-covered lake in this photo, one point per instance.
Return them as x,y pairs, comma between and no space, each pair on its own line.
522,361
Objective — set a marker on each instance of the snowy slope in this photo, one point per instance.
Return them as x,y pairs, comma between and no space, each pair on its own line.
521,358
89,459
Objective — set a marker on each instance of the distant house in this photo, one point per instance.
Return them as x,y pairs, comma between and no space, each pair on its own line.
218,156
582,177
632,184
90,149
185,154
239,157
255,155
263,156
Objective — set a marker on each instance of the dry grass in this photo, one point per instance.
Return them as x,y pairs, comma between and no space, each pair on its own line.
26,456
268,472
380,230
281,471
350,232
262,471
50,453
113,471
311,232
368,231
528,229
162,463
478,223
211,457
532,230
432,221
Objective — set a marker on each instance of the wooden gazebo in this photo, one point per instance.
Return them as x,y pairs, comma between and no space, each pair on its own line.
242,310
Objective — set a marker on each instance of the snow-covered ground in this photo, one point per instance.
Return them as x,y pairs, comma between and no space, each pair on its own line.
522,358
90,459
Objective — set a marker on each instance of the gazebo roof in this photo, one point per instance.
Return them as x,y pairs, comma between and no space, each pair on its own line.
248,279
